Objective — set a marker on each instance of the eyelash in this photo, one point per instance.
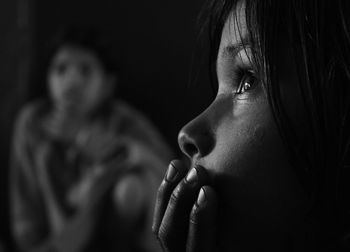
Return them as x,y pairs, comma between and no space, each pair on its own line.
244,79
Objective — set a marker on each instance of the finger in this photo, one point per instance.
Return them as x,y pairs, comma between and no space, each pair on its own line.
203,219
176,171
174,227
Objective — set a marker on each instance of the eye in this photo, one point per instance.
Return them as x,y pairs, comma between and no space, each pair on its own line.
60,68
246,82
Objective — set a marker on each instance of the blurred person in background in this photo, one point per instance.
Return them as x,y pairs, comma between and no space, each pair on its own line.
85,167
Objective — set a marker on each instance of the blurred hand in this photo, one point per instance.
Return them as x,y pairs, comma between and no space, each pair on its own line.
186,211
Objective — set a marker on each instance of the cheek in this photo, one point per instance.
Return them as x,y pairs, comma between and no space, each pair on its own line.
243,139
94,91
93,88
256,185
55,86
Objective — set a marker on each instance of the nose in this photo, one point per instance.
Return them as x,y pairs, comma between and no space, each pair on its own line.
196,139
74,77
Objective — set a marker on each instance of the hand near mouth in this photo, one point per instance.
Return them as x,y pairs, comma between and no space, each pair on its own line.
186,210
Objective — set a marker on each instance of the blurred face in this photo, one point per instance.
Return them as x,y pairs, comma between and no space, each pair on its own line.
236,140
77,80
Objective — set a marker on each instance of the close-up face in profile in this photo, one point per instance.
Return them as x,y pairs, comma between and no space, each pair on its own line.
236,140
77,80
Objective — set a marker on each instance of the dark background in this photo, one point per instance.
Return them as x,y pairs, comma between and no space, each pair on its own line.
154,41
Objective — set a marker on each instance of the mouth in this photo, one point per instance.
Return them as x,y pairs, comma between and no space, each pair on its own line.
212,175
72,95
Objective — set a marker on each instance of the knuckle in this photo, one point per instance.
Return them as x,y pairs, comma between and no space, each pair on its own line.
194,215
176,194
164,237
171,236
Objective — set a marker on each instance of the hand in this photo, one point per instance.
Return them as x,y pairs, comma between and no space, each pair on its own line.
185,211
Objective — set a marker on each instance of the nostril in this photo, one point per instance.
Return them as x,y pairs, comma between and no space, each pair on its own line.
196,140
190,149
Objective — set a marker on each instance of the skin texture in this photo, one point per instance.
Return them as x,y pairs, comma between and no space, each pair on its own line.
253,201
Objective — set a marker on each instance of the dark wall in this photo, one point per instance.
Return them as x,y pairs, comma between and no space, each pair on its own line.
15,56
7,75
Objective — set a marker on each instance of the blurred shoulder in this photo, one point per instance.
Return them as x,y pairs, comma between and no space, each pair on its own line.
136,125
30,113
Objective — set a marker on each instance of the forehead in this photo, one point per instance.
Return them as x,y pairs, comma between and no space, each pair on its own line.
75,54
235,29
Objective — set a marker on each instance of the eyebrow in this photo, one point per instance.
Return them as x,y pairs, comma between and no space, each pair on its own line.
232,50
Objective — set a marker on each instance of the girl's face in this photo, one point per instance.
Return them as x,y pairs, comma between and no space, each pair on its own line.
77,80
236,140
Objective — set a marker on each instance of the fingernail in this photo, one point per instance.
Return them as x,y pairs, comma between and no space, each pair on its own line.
171,173
201,197
192,176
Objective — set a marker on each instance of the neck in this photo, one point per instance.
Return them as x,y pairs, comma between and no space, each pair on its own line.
64,123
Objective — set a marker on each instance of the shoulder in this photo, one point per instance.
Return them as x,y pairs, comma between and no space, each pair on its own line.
30,112
24,137
136,125
27,117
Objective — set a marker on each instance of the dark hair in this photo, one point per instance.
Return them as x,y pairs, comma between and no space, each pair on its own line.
86,38
319,36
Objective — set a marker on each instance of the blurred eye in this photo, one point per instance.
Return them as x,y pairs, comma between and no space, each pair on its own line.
60,68
247,81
